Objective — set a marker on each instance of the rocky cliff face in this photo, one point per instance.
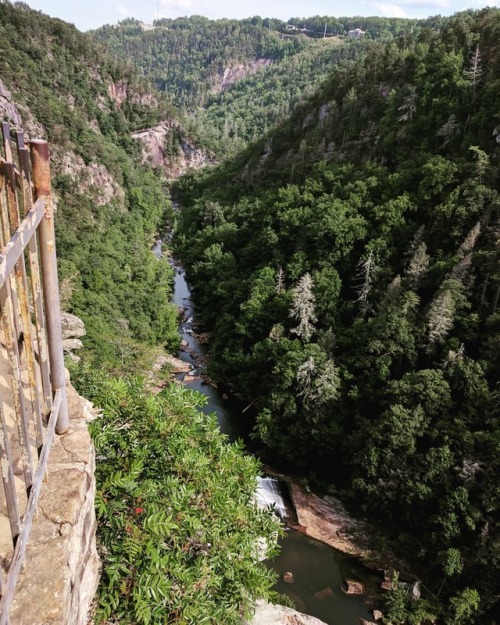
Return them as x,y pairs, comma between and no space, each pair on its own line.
233,73
176,159
121,90
17,115
92,177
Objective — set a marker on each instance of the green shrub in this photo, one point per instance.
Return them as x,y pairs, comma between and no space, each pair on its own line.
178,530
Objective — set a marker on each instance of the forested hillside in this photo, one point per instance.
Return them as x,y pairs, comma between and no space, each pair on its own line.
59,84
234,79
187,57
348,265
237,79
178,540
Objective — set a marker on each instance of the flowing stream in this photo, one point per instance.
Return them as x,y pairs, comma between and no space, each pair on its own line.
318,570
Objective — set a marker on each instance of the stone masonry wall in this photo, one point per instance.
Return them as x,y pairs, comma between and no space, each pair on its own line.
62,565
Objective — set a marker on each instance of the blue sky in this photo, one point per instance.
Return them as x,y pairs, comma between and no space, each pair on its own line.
94,13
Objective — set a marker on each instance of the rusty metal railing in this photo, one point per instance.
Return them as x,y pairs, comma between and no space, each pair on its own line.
33,404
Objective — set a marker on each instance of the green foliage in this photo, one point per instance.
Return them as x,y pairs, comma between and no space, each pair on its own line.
178,528
118,287
237,79
402,609
65,84
464,606
388,206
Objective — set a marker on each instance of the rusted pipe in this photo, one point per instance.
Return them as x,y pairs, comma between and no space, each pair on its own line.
42,184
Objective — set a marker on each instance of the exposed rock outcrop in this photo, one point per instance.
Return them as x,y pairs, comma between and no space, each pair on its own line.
324,519
153,143
93,176
178,158
17,115
233,73
72,326
268,614
176,364
120,91
72,329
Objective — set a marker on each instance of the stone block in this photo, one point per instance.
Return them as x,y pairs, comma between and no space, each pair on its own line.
62,568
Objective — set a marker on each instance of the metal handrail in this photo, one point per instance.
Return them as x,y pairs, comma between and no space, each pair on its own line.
30,317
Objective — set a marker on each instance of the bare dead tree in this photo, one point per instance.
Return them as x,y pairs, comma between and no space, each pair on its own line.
303,308
418,266
365,275
449,129
441,316
474,71
409,106
280,280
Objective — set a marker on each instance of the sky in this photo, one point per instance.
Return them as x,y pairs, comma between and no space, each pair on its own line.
94,13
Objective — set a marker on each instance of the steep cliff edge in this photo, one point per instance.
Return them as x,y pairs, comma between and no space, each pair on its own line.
166,146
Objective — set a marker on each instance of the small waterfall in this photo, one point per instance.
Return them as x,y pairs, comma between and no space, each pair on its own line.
269,495
157,249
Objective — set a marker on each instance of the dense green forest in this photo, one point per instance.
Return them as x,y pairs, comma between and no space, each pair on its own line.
257,103
178,540
380,28
347,263
233,79
65,81
348,266
186,57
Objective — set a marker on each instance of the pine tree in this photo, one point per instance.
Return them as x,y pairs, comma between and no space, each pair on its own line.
409,106
280,280
470,241
305,378
449,129
327,384
482,161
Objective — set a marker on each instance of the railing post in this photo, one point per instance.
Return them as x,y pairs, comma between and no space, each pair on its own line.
46,231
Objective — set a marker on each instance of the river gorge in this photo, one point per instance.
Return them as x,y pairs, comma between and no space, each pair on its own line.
318,572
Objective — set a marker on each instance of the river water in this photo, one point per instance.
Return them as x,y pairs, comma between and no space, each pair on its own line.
318,570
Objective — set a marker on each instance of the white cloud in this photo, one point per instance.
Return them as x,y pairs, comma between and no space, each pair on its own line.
123,10
390,10
424,3
175,8
402,8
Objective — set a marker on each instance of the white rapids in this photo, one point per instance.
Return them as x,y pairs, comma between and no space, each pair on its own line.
268,495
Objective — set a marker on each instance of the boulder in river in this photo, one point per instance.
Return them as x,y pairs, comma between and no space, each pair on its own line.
363,621
177,365
323,595
377,615
353,587
324,519
288,578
